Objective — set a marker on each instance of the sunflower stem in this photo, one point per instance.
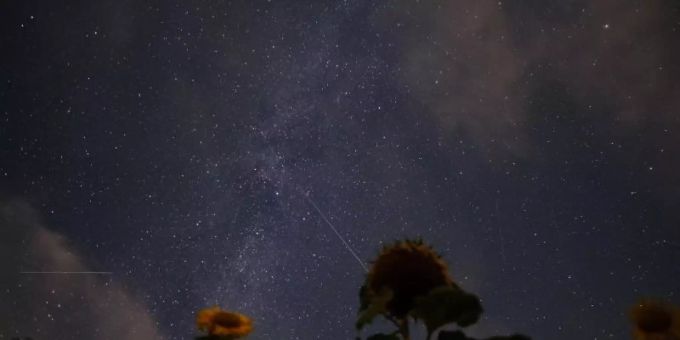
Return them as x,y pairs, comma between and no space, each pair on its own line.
393,320
403,329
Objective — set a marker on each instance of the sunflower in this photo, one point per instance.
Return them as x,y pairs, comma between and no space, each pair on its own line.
223,324
409,269
655,320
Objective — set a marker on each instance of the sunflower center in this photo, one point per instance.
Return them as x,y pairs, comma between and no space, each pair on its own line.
227,320
653,319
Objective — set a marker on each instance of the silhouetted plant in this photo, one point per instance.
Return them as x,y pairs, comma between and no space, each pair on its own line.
409,280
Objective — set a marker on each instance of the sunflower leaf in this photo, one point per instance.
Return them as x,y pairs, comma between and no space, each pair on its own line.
364,298
375,306
452,335
447,304
510,337
382,336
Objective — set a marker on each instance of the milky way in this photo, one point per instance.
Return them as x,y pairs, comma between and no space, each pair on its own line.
176,144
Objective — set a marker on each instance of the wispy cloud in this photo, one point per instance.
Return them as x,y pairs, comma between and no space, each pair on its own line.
82,306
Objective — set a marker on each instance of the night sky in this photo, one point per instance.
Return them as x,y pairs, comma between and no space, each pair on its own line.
182,145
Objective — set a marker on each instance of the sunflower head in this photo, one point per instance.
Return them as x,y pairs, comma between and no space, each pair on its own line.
219,323
654,319
409,269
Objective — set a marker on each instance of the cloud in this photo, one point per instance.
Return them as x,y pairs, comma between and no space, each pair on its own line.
477,67
59,306
458,61
622,53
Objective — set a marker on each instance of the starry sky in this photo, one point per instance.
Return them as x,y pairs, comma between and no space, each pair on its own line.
182,145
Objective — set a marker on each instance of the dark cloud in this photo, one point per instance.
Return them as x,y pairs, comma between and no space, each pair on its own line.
477,67
59,306
621,51
616,63
458,60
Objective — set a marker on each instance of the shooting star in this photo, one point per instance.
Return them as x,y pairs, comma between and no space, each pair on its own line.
335,230
501,239
67,273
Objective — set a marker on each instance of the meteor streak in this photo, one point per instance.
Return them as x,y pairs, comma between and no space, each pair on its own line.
328,222
64,272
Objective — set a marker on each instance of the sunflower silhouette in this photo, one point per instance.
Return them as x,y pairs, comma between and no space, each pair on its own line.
409,269
409,283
